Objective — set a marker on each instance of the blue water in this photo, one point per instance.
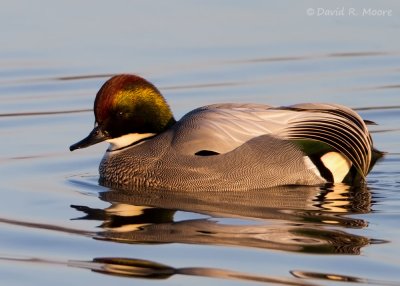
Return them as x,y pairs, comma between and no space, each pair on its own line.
58,226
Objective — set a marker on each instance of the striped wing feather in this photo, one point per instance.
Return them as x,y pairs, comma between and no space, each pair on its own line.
341,129
224,127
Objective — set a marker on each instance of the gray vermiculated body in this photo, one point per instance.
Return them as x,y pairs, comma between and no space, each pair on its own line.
250,157
262,162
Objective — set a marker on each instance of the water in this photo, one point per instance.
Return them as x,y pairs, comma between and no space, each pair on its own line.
57,225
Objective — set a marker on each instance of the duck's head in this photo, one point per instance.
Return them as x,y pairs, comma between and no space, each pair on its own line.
127,109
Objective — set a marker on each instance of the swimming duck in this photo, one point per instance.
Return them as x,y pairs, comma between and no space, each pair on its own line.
227,146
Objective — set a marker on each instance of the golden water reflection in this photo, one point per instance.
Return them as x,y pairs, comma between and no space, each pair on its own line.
138,268
297,219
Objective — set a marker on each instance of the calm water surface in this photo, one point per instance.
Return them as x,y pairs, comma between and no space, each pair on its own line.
58,226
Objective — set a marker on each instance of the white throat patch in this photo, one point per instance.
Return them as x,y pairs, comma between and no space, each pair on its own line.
127,139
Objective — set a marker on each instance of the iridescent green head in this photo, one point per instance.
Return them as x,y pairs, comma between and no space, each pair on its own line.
127,104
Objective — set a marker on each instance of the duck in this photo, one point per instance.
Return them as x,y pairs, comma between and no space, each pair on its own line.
225,146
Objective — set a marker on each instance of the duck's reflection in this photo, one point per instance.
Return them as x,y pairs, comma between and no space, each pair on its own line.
138,268
300,219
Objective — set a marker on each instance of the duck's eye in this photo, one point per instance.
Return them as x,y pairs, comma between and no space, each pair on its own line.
123,115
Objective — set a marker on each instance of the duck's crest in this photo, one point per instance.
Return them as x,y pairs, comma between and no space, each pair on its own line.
110,93
132,100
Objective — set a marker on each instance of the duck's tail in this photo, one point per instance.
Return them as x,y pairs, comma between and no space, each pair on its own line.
336,139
